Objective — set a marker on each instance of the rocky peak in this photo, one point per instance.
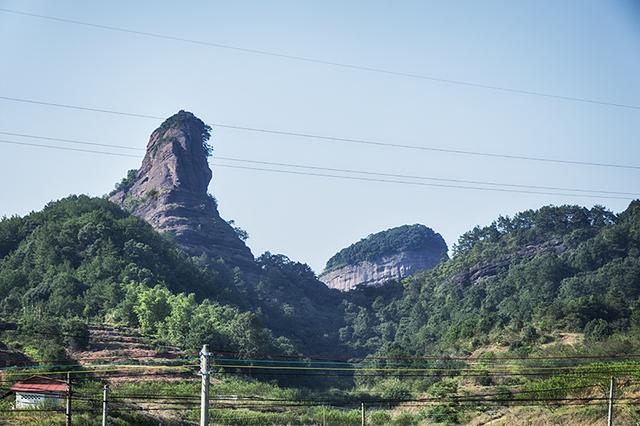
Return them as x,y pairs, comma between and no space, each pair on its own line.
177,156
169,191
389,255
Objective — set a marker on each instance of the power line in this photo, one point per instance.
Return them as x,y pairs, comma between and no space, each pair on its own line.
437,357
187,362
353,171
265,403
414,183
134,370
357,178
318,61
356,374
156,396
476,182
119,367
479,366
472,370
336,139
425,148
65,148
22,135
105,111
102,369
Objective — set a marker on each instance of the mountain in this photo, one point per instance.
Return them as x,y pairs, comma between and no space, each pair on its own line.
559,281
157,255
516,285
84,260
169,191
389,255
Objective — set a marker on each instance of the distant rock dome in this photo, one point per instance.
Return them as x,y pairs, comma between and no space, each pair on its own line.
389,255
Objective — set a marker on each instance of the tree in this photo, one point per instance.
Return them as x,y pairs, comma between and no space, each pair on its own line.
152,308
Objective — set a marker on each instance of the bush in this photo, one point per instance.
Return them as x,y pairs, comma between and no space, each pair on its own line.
405,419
395,390
378,417
484,379
442,414
47,352
76,334
444,388
597,330
127,182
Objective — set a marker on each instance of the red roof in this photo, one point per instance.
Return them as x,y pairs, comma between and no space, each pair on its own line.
38,384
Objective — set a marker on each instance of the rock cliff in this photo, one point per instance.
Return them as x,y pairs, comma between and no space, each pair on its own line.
380,271
169,191
389,255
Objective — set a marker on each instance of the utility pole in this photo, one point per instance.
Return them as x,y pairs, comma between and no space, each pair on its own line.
364,415
610,416
204,391
105,391
68,409
324,417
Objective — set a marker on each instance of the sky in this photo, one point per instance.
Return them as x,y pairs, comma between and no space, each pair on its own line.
582,48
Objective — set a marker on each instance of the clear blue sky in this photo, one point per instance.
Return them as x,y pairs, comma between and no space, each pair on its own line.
580,48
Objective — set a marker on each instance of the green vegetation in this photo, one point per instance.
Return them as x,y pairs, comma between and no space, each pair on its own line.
515,283
131,202
186,118
558,282
84,260
402,238
241,233
126,183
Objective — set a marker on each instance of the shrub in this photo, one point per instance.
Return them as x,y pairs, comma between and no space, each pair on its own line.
395,390
126,183
442,414
378,417
405,419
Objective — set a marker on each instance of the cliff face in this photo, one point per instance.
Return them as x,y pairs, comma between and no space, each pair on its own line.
389,255
381,270
169,191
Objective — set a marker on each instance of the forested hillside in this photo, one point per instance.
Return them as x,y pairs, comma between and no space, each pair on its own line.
83,260
514,284
556,288
517,282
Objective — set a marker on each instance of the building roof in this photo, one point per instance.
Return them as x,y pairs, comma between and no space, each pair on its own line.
40,384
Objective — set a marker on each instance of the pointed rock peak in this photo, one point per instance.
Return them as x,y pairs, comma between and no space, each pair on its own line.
177,155
187,126
169,191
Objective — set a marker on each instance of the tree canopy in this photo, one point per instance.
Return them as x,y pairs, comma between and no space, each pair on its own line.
394,240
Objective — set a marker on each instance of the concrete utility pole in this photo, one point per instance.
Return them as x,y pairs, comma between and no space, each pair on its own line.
68,409
204,392
364,415
610,416
105,391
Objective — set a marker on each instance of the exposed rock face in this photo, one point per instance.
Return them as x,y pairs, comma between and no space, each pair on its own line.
389,255
380,271
488,270
169,191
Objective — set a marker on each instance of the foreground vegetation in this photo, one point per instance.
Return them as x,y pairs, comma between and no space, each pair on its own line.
428,401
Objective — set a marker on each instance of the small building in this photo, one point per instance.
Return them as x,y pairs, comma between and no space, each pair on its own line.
38,392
